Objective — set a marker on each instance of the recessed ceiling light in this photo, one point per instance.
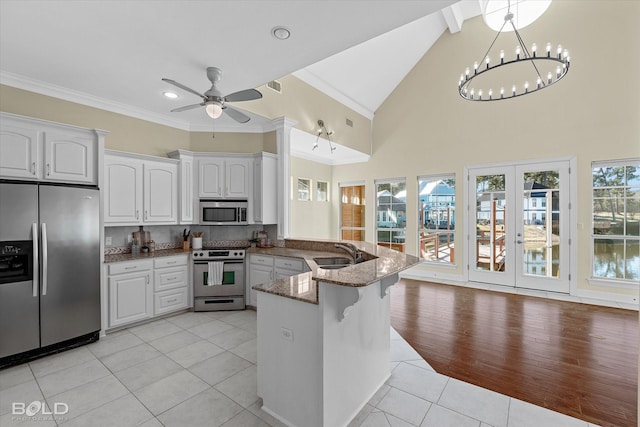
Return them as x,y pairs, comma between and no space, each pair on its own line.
170,95
281,33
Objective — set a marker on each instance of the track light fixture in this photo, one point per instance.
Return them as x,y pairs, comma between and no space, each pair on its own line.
323,130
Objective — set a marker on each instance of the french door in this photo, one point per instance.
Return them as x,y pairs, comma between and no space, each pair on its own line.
519,225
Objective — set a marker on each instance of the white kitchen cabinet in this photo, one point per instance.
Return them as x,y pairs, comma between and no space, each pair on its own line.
69,157
265,168
160,194
171,284
33,149
122,190
223,177
267,268
130,292
139,189
287,267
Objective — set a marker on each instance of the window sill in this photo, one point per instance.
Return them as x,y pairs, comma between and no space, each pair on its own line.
614,283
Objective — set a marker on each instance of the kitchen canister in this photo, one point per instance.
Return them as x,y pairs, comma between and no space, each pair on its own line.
196,242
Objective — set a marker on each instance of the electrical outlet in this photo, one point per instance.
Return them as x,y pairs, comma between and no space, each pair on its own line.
108,241
287,334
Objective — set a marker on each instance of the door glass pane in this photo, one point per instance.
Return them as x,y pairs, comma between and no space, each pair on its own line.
490,222
541,223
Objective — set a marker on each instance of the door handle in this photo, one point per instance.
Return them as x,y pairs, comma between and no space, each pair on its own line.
137,214
36,259
44,258
33,168
519,241
48,169
146,214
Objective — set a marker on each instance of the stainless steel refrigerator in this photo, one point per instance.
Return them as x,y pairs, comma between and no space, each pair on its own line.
49,268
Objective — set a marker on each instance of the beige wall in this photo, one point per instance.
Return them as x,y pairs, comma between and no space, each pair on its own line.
312,219
127,133
424,127
306,105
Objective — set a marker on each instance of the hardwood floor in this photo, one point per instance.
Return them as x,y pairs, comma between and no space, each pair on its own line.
578,359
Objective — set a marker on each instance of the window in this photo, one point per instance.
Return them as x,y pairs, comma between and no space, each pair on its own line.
616,219
437,218
391,214
304,189
352,212
322,191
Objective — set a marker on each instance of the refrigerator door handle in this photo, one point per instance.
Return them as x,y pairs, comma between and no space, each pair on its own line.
36,260
44,259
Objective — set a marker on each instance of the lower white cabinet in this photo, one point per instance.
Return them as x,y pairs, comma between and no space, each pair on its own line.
171,279
130,292
141,289
267,268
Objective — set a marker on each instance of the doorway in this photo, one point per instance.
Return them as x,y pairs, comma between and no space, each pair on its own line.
519,223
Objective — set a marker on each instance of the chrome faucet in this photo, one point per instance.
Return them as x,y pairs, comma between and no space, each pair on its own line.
352,250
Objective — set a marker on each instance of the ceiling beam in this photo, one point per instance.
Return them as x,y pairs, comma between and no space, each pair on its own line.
454,18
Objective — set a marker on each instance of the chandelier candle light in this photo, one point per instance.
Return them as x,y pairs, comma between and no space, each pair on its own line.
559,56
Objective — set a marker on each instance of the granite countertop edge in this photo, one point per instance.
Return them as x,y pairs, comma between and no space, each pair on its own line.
387,263
142,256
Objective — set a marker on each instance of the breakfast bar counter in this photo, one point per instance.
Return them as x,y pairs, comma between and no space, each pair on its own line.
323,335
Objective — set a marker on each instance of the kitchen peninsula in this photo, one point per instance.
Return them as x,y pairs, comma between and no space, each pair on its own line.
323,335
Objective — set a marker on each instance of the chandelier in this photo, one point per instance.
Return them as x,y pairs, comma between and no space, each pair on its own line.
540,67
323,129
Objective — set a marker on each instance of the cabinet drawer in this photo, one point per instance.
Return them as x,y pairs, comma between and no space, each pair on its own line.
129,266
171,300
261,259
295,264
170,278
172,261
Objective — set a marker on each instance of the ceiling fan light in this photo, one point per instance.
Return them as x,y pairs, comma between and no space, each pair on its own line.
214,110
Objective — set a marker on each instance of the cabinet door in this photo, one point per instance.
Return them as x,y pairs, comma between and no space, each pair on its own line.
160,193
19,152
237,178
122,190
258,274
211,175
69,158
130,298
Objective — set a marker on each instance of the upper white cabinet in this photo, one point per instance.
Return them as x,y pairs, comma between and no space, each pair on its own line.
188,204
140,189
265,168
122,189
32,149
223,177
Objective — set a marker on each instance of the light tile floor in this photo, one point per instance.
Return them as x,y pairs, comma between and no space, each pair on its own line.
197,369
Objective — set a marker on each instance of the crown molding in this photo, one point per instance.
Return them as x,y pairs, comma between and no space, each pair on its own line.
82,98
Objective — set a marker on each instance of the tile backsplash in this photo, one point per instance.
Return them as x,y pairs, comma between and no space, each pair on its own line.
170,236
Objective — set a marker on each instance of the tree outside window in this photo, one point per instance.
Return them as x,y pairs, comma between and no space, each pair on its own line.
616,220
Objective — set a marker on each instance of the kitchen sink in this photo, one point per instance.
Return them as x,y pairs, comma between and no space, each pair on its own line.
333,263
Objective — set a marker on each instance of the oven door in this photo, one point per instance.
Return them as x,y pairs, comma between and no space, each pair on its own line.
232,279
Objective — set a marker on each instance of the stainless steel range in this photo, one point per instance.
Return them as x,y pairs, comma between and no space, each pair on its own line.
218,279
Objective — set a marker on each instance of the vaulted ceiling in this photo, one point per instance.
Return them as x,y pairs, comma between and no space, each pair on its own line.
113,54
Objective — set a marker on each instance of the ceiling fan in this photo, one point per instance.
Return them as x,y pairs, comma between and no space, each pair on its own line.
214,102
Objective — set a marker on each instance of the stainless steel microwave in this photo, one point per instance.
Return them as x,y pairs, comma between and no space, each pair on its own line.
223,212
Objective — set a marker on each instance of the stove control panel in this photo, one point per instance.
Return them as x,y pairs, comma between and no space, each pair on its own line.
219,254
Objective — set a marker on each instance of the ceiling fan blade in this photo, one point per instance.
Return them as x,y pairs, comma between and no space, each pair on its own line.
236,114
183,87
186,107
243,95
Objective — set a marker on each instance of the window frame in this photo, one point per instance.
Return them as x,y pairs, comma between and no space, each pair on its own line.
341,228
593,237
378,182
309,189
434,177
327,191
